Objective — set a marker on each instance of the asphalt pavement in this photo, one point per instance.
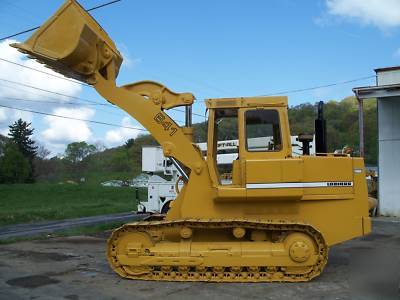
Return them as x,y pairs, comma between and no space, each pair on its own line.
40,228
366,268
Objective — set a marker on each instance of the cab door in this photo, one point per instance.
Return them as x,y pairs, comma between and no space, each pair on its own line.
270,173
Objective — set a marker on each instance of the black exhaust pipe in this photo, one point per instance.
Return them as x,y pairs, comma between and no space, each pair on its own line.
320,130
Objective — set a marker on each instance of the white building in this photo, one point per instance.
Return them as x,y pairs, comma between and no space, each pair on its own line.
387,93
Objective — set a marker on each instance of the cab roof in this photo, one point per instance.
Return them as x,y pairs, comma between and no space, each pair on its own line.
247,102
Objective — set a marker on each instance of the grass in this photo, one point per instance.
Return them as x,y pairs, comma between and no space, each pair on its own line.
23,203
90,177
83,230
99,177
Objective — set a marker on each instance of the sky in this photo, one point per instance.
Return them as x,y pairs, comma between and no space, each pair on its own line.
210,48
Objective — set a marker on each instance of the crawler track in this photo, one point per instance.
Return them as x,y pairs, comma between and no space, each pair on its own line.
158,250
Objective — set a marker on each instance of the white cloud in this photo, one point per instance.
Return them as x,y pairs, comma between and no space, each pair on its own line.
59,131
26,76
9,116
63,131
30,77
119,136
380,13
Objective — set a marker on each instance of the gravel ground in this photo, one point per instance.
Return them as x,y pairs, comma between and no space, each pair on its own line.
76,268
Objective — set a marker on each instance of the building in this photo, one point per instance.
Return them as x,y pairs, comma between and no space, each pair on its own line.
387,93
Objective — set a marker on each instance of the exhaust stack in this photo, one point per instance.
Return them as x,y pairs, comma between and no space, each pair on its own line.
320,130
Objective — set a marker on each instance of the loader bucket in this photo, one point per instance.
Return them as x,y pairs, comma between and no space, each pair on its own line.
72,43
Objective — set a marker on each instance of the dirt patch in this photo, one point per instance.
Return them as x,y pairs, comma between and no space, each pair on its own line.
72,297
2,265
32,282
40,256
146,290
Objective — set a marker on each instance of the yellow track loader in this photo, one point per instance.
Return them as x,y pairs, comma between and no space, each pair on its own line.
274,222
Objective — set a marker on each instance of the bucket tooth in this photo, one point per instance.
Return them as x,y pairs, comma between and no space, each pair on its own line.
72,43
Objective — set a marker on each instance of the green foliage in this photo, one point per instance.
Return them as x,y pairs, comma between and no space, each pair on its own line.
77,151
200,132
3,141
22,203
20,133
342,124
129,143
119,161
301,119
124,162
14,166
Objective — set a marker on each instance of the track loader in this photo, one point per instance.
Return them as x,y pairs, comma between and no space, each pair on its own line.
274,222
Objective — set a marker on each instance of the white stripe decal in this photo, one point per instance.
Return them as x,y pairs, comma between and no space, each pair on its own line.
282,185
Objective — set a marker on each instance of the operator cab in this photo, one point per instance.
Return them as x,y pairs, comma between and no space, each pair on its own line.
260,125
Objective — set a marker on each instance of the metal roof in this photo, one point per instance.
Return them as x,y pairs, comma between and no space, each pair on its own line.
394,68
381,91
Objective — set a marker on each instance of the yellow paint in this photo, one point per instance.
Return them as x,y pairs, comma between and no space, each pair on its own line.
214,232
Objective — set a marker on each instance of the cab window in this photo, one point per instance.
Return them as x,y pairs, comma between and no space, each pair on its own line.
263,130
226,144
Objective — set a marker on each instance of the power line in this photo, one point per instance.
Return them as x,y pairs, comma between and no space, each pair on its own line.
37,27
92,103
50,98
46,102
67,79
309,88
182,111
78,98
319,87
199,100
102,5
71,118
67,103
52,92
43,72
64,78
60,103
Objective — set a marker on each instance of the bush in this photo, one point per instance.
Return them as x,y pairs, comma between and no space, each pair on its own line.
14,167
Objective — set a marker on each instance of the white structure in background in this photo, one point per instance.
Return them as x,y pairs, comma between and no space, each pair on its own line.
387,93
161,191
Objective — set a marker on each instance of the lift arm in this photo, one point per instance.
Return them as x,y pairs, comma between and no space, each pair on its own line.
72,43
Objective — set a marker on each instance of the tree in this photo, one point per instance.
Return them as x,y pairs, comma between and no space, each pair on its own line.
77,151
129,143
14,166
120,160
100,147
20,133
42,152
3,143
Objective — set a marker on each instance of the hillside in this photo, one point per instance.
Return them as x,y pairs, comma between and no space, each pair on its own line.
124,162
